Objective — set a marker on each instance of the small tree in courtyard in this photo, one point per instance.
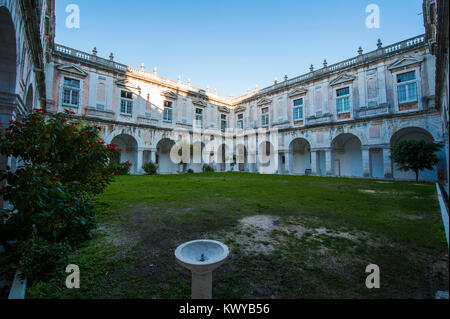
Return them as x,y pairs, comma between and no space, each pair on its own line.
415,155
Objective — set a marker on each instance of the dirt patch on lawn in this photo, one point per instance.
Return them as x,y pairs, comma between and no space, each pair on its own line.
262,233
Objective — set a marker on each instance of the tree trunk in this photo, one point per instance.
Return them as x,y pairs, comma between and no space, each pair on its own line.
417,175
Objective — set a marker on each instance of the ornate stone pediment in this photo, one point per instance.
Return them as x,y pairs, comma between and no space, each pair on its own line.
169,95
405,61
342,78
72,69
223,109
297,92
264,102
127,84
200,103
240,108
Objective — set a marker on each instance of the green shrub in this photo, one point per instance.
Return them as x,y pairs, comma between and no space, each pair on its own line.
150,168
67,164
121,168
39,257
207,168
190,171
52,210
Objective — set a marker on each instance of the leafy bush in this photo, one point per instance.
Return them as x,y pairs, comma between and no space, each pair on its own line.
121,168
66,165
54,211
72,150
39,257
190,171
150,168
207,168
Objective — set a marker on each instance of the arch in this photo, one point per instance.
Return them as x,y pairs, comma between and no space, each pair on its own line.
129,148
163,160
8,53
347,156
29,101
123,131
413,133
300,150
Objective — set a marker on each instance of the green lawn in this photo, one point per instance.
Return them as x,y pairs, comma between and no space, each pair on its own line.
290,237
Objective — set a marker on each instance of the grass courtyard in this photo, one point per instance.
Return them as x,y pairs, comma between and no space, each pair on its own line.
290,237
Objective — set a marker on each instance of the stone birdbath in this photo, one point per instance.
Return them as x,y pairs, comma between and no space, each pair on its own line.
201,257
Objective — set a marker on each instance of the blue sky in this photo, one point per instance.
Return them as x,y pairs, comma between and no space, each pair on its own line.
236,44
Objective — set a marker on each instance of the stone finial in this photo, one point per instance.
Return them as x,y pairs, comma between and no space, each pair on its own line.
155,70
215,90
360,51
311,68
248,90
142,66
275,81
207,88
285,77
325,63
94,52
379,44
179,78
111,56
256,88
189,82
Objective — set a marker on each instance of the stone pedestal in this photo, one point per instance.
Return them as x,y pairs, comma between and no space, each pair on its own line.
201,285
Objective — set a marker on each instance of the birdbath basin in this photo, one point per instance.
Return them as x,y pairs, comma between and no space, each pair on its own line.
201,257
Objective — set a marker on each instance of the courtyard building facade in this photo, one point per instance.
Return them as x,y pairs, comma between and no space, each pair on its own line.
335,120
339,120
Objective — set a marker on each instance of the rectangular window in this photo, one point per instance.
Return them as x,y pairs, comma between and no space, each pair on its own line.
168,112
126,102
71,92
343,100
240,121
407,87
199,118
265,116
298,110
223,122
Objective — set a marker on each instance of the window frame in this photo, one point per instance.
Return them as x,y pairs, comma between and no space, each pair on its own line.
127,101
222,121
168,110
297,107
418,89
265,116
200,115
64,86
346,96
240,121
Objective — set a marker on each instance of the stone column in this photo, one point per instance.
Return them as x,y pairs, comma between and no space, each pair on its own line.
366,162
140,161
201,285
314,169
288,162
328,163
153,156
387,162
